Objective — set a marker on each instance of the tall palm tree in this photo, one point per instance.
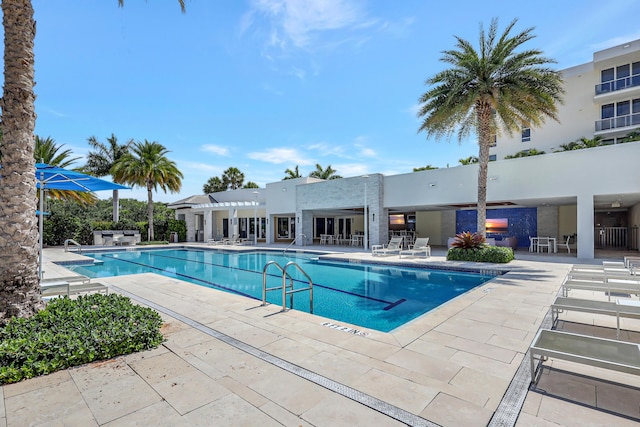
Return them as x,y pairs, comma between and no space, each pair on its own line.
328,173
146,165
232,178
100,162
48,151
488,90
214,185
291,174
19,284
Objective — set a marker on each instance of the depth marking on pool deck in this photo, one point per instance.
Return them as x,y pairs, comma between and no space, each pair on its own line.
374,403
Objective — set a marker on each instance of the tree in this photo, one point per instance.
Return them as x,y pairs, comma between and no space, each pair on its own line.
100,162
525,153
214,185
48,151
146,165
487,90
291,174
232,178
631,136
469,160
251,184
19,283
328,173
589,143
425,168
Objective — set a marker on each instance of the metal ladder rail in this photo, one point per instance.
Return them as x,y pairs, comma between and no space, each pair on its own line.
293,242
292,291
66,245
264,280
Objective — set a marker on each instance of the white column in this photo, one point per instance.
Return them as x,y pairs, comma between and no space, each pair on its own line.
585,227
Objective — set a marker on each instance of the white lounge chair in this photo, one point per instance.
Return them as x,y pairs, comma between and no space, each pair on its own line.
608,286
420,246
594,307
588,350
393,247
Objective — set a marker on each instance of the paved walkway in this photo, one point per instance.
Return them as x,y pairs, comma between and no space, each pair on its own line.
229,361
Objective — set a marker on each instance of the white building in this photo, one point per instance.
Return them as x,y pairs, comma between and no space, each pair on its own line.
590,194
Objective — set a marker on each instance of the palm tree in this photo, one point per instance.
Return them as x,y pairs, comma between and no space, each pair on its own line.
100,162
328,173
232,178
492,89
291,174
146,165
251,184
469,160
48,151
589,143
19,284
214,185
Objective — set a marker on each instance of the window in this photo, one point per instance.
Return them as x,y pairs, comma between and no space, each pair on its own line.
607,75
526,134
495,141
607,111
493,158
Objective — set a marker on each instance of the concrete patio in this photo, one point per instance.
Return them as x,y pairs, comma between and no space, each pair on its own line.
228,361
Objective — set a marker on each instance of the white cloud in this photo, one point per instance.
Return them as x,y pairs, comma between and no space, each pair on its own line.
326,149
296,20
281,155
200,167
215,149
350,169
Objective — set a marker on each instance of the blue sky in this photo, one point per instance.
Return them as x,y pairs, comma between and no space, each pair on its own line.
265,85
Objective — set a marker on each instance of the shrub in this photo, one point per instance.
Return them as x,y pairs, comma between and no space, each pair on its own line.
494,254
73,332
468,240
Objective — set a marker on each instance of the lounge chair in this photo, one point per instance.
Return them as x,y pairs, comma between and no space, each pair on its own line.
620,308
420,246
219,240
70,285
393,247
608,286
594,307
600,352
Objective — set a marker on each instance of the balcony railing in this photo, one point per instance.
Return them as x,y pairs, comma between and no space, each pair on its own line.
616,238
620,84
618,122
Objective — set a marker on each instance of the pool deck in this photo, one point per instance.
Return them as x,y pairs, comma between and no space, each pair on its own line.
229,361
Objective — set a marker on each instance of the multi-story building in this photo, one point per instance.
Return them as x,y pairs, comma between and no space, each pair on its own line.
602,100
590,196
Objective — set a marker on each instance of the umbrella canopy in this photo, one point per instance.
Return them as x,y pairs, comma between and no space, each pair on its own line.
55,178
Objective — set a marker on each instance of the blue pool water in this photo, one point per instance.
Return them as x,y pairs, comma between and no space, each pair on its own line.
374,296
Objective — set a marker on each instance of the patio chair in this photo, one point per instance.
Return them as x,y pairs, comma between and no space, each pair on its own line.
421,246
393,247
218,240
544,242
566,244
599,352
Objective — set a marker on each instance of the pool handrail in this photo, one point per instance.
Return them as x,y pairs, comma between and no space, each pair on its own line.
284,286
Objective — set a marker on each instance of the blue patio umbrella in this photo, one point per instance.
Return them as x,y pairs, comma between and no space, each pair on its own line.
55,178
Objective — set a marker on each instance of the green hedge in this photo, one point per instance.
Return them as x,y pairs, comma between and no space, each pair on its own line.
494,254
73,332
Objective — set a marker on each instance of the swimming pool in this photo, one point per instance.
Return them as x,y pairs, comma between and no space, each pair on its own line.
374,296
